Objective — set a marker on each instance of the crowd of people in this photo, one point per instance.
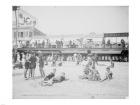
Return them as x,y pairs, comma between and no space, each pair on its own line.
70,44
30,60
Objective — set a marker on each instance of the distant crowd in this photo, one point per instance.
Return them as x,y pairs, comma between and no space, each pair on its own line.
71,44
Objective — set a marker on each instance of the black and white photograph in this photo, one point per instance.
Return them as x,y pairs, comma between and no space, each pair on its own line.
70,52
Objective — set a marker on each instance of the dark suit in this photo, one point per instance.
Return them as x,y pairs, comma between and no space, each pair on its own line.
41,65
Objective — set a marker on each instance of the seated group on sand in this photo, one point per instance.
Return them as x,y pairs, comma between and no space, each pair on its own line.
90,73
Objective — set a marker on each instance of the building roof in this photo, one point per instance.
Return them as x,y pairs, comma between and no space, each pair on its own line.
39,34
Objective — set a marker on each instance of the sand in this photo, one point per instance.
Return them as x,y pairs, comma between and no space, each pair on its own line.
74,88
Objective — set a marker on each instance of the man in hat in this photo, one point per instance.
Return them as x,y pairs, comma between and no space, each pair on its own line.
41,65
27,65
23,60
32,60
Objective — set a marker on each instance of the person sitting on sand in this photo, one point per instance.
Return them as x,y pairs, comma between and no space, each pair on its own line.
86,71
59,78
96,75
91,74
108,74
50,75
48,80
53,78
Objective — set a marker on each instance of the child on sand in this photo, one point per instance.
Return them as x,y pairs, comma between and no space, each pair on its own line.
48,80
59,78
108,74
96,75
52,78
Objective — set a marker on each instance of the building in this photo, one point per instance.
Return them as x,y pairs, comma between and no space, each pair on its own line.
116,37
24,29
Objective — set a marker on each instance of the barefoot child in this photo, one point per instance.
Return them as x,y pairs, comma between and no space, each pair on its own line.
48,80
59,78
108,73
52,78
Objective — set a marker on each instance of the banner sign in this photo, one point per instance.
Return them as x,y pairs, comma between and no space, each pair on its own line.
25,19
116,35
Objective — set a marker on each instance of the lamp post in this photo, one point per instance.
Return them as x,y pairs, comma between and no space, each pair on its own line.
15,8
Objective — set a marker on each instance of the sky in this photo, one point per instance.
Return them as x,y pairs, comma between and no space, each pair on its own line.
57,20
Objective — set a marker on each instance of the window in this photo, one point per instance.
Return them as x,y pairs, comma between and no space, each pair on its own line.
26,33
30,34
18,34
15,35
21,35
